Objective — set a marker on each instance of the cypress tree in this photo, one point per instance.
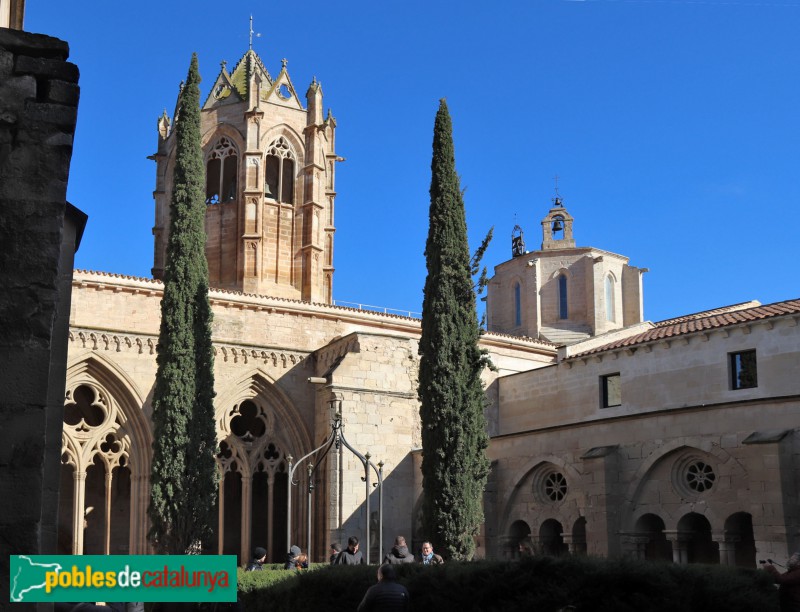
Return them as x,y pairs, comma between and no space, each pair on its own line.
183,481
454,464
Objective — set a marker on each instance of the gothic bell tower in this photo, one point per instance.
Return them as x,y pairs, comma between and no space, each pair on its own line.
270,188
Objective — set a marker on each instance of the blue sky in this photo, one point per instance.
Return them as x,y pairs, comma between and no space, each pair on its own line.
674,127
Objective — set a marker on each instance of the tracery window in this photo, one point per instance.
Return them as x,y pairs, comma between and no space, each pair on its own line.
222,167
279,172
95,473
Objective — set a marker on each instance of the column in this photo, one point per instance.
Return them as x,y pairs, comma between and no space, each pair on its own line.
247,500
78,519
270,499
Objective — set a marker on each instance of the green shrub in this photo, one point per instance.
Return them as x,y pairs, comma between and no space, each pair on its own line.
539,584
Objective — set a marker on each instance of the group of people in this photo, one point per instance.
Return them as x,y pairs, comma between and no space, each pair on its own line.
296,559
387,595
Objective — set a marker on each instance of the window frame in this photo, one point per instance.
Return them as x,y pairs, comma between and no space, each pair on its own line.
736,368
604,387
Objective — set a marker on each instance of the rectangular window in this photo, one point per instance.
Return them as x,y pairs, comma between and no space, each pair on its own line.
744,374
610,390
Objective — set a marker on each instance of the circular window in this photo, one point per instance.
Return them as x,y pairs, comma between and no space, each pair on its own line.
284,91
700,476
693,475
555,486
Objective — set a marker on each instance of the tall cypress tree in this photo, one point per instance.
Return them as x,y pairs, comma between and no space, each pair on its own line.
183,481
454,464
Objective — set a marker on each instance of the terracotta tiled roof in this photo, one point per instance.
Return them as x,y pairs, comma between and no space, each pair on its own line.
708,313
711,319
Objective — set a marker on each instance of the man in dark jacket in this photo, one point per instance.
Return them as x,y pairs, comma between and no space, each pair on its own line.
259,557
292,562
789,583
399,553
428,556
335,550
387,595
350,555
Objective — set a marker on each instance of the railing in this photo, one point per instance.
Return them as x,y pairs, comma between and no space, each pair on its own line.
384,310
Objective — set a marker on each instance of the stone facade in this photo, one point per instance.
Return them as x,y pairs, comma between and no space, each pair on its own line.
39,233
684,466
266,350
609,435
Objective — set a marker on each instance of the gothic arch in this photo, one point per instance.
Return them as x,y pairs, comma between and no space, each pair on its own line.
523,478
670,453
258,429
259,384
104,429
218,131
295,140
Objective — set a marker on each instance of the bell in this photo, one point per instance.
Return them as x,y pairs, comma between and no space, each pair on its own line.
557,225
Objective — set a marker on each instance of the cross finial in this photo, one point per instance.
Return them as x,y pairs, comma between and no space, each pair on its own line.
284,61
252,32
223,64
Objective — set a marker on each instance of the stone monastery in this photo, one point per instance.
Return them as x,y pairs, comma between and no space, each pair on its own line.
610,435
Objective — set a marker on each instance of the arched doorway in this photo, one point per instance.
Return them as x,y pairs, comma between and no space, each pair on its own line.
578,544
551,539
739,546
694,540
519,532
654,544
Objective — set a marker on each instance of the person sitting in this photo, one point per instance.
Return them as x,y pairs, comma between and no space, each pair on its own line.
387,595
399,553
259,558
350,555
428,556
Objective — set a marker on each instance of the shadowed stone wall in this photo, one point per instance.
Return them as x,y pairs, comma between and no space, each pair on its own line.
39,233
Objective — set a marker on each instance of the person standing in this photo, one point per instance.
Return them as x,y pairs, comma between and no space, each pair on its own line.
291,558
788,583
399,553
350,555
387,595
428,556
335,549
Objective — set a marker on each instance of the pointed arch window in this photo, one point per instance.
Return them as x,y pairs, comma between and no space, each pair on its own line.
563,304
279,172
610,294
517,304
222,168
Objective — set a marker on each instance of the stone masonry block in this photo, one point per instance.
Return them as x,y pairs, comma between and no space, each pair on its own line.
33,44
61,92
54,114
49,68
15,90
6,64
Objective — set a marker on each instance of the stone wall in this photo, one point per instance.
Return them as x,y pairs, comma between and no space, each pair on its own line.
39,233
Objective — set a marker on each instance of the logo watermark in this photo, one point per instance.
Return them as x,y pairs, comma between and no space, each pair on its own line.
66,578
